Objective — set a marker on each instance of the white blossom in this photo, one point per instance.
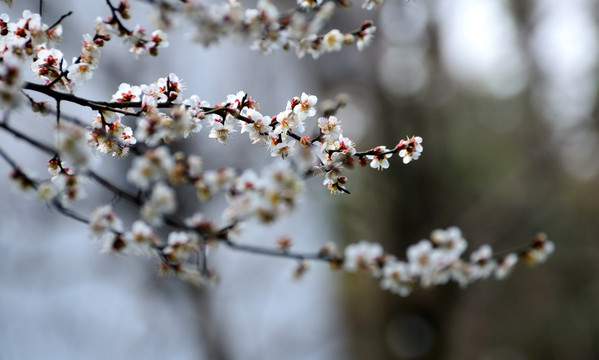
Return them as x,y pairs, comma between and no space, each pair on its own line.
362,256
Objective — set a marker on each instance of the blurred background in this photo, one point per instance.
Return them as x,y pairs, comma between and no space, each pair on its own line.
504,94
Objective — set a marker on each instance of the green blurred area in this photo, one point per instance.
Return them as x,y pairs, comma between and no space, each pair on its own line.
493,167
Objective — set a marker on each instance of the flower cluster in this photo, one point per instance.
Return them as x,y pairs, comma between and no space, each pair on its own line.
18,41
160,203
141,239
64,182
143,120
250,195
104,224
111,138
103,220
166,115
263,197
410,149
267,28
438,261
140,41
29,37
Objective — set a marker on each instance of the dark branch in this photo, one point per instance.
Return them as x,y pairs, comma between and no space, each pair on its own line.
278,253
59,20
60,96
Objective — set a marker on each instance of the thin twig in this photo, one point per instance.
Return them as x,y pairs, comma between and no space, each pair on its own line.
26,138
70,213
59,20
8,159
115,17
275,252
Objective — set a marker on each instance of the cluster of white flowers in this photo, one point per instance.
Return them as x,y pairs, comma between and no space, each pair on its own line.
161,202
145,119
141,239
409,149
64,182
111,138
264,197
29,37
140,41
438,261
18,41
267,28
181,245
103,220
165,115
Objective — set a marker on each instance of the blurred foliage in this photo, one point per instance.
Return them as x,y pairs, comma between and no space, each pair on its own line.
490,167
